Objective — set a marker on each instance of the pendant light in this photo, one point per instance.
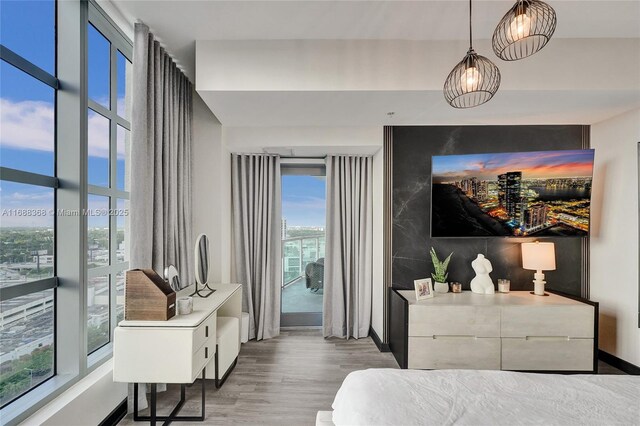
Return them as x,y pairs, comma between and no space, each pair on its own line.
474,80
525,29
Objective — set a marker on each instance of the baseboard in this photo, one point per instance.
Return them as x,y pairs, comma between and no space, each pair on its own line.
116,415
382,347
618,363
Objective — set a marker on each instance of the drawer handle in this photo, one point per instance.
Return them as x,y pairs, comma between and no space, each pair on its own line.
206,331
206,352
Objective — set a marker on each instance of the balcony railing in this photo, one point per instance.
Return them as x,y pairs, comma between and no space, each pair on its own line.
297,253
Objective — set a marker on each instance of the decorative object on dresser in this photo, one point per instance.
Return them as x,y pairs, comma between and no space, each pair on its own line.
440,273
524,30
516,331
424,288
172,276
202,267
504,285
456,287
148,297
482,282
539,257
184,305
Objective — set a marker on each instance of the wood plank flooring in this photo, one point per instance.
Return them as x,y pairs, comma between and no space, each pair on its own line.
281,381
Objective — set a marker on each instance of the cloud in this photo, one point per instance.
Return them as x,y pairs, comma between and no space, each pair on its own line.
29,125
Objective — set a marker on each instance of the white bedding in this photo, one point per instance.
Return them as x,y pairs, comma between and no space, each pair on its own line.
469,397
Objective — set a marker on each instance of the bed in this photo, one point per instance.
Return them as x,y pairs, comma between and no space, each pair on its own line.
472,397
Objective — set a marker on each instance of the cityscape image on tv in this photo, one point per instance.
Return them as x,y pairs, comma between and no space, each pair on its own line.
545,193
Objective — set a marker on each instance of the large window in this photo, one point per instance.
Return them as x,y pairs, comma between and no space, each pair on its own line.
64,144
108,129
27,196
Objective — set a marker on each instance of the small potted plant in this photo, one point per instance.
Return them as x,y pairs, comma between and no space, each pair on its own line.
440,275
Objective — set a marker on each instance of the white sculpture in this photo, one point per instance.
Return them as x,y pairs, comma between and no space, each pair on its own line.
482,283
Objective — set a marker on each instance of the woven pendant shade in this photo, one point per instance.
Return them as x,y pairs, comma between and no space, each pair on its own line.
525,29
472,82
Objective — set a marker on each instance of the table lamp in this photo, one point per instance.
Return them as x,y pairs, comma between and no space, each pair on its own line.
539,257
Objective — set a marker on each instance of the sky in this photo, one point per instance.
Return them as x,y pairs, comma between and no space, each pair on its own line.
27,132
304,200
540,164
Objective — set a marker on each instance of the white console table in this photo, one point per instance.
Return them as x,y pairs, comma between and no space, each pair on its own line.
175,351
512,331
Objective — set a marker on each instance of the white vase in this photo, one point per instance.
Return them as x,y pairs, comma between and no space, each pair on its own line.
441,287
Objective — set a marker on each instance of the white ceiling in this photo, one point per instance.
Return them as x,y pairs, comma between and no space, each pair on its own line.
179,23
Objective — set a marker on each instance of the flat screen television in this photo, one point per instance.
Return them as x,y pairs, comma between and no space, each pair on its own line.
521,194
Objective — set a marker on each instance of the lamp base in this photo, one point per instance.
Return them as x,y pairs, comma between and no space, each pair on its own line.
535,294
538,284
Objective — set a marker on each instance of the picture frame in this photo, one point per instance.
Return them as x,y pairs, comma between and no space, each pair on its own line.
424,288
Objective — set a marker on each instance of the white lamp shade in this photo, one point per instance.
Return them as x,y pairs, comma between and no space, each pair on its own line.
539,256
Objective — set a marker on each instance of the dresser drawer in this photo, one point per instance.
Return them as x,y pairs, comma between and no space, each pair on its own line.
454,352
201,358
204,332
547,354
477,321
547,321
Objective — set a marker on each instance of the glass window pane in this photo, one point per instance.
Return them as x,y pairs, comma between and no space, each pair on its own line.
28,29
97,312
122,174
98,139
27,125
303,237
120,279
98,231
124,86
26,233
26,333
99,67
122,221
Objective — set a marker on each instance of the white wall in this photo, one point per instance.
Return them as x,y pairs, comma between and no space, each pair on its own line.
207,177
614,238
317,141
88,402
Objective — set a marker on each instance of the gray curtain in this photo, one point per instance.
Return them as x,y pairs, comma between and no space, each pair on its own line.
349,248
255,181
162,111
161,160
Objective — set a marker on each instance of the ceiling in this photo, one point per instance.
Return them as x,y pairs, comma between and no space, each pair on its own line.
179,23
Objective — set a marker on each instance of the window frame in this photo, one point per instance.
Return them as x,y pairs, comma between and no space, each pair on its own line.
71,189
117,43
8,174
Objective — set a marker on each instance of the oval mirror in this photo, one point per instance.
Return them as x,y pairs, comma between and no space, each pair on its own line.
202,259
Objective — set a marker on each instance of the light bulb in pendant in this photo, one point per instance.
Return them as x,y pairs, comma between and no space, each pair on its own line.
471,79
520,27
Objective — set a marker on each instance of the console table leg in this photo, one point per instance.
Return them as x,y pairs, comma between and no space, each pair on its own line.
152,407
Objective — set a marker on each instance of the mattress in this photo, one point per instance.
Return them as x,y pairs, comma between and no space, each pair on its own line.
470,397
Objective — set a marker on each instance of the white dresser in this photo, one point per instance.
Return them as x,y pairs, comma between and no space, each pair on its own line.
177,350
512,331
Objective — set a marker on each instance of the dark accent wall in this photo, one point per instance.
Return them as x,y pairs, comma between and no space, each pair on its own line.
413,147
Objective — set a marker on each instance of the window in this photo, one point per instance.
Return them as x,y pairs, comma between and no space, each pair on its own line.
63,250
303,243
27,197
108,129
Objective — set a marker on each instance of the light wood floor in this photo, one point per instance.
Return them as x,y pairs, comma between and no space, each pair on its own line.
281,381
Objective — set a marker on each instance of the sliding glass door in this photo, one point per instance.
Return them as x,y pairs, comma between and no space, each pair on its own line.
303,243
